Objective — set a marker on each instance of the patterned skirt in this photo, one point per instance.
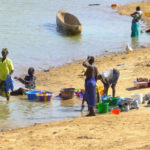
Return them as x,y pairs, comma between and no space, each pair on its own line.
6,86
3,88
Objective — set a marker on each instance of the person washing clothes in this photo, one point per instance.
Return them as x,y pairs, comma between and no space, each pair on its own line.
135,22
6,70
28,81
90,84
109,78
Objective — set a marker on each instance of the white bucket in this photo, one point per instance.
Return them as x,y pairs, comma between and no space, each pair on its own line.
136,104
137,97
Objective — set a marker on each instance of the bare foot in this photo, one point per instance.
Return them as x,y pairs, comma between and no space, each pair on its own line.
90,114
8,98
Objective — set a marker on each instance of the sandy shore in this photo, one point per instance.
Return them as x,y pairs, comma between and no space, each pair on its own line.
127,131
128,9
132,65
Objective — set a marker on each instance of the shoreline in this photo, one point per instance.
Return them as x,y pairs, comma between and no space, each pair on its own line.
72,75
130,8
129,130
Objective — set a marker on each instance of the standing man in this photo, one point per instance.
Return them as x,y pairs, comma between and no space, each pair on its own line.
6,70
90,84
135,22
109,78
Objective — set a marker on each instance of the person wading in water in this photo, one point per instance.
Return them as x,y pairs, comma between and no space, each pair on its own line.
6,70
135,22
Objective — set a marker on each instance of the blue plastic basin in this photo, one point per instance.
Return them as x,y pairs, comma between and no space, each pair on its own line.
32,94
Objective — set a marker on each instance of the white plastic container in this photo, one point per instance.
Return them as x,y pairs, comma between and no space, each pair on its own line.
137,97
136,104
140,84
127,107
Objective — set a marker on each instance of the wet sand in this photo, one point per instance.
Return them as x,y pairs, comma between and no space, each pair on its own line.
127,131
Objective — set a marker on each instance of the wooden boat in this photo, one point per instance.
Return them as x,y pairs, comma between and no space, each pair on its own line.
68,22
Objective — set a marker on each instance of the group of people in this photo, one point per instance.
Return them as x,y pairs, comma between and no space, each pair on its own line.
6,83
108,78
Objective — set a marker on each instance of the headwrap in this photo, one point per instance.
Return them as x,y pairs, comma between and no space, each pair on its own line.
5,50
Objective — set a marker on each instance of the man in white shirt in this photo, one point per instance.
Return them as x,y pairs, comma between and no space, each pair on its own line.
109,77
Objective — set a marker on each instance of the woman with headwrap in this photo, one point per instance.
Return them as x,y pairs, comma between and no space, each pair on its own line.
6,70
135,22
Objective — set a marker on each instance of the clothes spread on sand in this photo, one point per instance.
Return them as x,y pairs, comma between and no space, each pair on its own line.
30,81
90,88
111,76
5,68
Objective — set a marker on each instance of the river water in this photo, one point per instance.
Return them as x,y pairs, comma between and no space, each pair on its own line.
28,29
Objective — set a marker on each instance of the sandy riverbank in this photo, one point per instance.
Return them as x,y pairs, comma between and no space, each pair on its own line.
127,131
128,9
133,65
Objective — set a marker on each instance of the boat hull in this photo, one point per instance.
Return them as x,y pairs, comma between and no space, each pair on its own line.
62,25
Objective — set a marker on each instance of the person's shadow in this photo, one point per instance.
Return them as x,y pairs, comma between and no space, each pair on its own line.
131,88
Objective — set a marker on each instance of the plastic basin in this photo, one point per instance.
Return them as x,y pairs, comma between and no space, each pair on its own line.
44,97
67,93
32,95
111,100
116,111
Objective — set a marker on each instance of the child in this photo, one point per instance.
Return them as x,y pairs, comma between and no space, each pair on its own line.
28,81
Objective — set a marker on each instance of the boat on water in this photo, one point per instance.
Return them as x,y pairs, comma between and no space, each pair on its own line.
68,22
